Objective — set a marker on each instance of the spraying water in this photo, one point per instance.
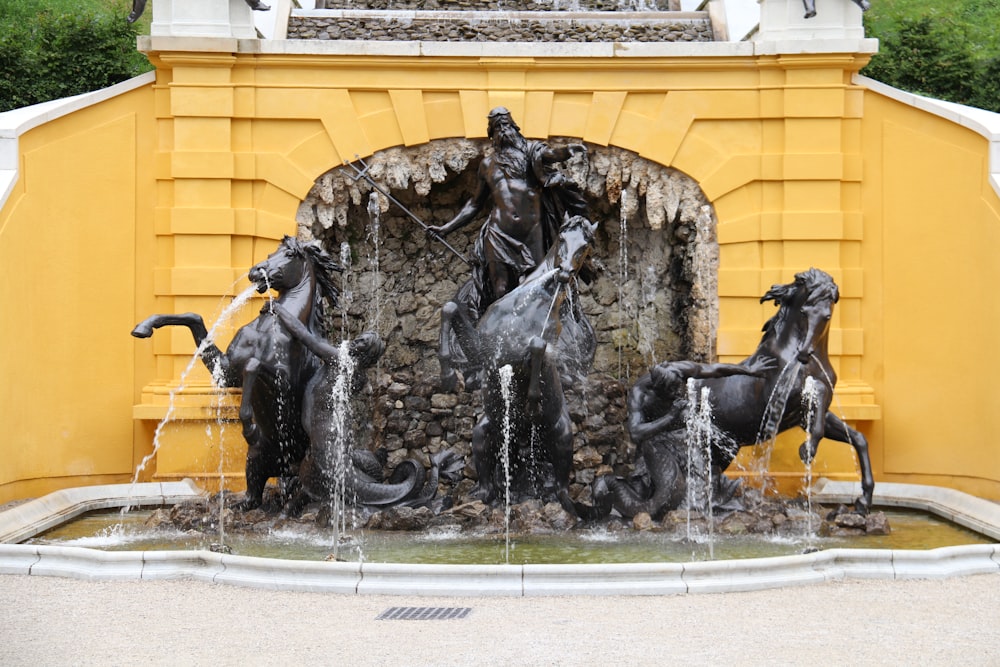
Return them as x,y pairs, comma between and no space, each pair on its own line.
810,413
700,438
506,378
622,280
374,235
347,296
237,303
338,453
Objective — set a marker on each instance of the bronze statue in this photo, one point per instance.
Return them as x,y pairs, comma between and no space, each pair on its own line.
529,201
748,408
267,362
139,6
525,412
658,400
810,6
363,482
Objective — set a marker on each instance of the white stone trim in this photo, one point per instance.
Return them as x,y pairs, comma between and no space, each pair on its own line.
507,580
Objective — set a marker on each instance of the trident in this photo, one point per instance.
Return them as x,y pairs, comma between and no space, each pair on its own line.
363,174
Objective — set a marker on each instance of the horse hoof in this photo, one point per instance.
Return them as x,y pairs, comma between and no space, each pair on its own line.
449,381
805,454
247,504
142,330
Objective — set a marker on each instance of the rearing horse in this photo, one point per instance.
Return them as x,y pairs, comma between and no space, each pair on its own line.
520,331
752,409
271,366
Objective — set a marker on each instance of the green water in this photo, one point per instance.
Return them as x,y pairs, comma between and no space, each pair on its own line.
109,531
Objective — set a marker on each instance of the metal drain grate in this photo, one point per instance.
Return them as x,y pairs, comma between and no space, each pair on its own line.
423,613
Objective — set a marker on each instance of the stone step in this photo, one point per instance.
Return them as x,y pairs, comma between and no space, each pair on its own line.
506,6
520,26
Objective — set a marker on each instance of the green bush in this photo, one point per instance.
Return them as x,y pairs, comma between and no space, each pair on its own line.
937,57
46,55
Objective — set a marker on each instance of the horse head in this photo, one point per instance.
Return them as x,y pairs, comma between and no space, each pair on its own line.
576,239
802,323
295,264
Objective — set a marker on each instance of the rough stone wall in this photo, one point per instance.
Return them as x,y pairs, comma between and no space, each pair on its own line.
504,5
566,21
499,30
653,300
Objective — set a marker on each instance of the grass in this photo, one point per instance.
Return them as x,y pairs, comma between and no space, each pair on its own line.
19,9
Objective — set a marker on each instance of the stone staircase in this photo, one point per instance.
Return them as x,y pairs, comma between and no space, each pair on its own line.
538,21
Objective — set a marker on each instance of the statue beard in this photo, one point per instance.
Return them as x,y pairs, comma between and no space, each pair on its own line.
511,152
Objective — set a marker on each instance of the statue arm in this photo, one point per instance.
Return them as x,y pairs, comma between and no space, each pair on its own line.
641,430
755,367
470,210
562,153
300,332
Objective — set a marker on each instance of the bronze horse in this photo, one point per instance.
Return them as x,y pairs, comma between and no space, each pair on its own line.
332,455
752,409
521,332
271,366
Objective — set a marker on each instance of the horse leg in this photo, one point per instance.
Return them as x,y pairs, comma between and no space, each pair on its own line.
837,429
449,379
256,473
560,446
536,358
210,354
546,404
454,319
192,321
484,455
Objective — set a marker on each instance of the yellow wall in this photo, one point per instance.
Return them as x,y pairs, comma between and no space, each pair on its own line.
774,142
791,154
71,233
932,238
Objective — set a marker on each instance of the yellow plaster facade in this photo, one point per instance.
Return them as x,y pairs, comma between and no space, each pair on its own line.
175,189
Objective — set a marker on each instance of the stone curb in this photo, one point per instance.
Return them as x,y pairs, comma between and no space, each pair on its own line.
969,511
38,515
490,580
500,580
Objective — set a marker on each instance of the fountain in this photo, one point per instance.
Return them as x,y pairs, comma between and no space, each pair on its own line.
518,335
313,447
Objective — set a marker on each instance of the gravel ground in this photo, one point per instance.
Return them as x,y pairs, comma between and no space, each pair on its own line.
54,621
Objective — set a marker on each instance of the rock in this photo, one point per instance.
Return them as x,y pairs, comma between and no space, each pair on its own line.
475,510
401,518
850,520
643,522
557,517
444,401
587,457
877,524
733,525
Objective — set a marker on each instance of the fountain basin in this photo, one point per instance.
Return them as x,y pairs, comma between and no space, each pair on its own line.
35,516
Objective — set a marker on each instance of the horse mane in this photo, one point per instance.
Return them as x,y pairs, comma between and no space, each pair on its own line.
324,267
815,284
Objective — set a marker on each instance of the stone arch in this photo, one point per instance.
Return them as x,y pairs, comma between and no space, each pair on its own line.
655,299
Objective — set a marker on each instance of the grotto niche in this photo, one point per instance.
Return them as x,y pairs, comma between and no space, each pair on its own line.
654,297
